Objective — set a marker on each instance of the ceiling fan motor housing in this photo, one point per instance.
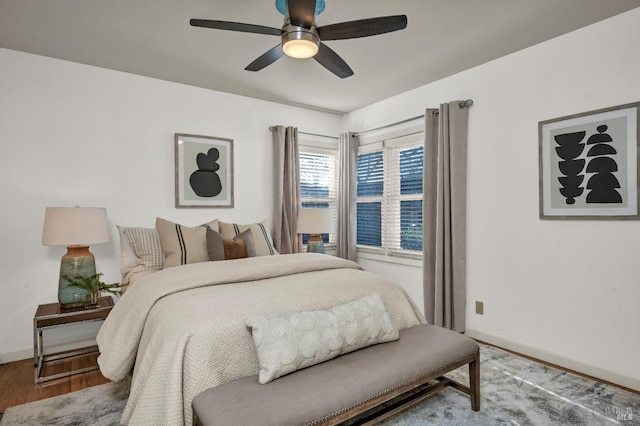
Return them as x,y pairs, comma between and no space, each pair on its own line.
300,42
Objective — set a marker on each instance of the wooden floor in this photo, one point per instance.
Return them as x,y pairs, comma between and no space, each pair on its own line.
17,380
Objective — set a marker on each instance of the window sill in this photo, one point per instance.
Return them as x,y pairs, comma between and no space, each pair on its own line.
416,263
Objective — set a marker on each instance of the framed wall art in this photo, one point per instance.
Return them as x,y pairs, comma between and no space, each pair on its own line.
204,171
589,165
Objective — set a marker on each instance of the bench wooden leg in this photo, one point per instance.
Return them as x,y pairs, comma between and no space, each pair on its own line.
474,383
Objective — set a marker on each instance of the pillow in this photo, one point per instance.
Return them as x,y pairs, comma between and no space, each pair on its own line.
144,244
261,236
128,258
220,248
289,342
181,244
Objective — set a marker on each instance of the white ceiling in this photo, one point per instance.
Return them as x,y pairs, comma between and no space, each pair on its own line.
153,38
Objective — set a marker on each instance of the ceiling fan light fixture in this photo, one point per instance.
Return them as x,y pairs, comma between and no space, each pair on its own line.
300,44
300,37
300,49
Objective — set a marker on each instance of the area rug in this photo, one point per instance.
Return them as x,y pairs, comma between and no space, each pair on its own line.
514,390
98,405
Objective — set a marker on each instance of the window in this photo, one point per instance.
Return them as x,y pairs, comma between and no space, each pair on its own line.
389,206
370,192
319,183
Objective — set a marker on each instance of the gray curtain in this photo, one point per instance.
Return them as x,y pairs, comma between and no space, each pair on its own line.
444,215
286,186
347,175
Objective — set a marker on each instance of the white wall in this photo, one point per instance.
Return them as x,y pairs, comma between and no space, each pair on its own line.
564,291
78,135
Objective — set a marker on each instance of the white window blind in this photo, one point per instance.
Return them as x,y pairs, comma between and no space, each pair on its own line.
370,193
389,206
318,184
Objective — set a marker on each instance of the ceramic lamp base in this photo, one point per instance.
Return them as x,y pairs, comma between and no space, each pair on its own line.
77,261
315,244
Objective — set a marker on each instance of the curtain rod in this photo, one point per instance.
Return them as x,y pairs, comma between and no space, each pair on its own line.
316,134
461,104
272,128
397,123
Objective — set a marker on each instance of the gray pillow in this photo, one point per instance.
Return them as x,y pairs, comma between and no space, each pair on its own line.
221,248
289,342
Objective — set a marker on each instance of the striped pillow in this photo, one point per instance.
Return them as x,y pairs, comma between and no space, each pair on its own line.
128,258
261,233
145,244
181,244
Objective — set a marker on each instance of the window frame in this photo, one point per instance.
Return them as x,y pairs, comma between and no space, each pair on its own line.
330,148
388,142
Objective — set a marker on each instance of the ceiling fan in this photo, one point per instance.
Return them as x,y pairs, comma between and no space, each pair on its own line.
301,38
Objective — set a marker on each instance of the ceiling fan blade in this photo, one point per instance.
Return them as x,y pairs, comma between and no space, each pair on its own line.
266,59
235,26
362,27
302,12
331,61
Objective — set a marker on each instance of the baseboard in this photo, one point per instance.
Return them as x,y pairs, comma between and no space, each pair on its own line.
595,372
8,357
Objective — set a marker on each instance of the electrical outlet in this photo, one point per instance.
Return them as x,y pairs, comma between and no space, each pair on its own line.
479,308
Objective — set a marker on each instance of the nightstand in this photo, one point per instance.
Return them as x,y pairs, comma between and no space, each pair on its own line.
51,316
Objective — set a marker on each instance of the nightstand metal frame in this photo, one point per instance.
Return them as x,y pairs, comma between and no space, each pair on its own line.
51,316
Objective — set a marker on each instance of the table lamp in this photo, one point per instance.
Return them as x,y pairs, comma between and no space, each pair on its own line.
314,221
76,228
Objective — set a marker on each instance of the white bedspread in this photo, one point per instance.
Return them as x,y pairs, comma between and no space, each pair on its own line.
183,327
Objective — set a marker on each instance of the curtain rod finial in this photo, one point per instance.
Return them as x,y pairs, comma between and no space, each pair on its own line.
466,104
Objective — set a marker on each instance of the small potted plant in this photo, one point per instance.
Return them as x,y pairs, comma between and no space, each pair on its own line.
93,285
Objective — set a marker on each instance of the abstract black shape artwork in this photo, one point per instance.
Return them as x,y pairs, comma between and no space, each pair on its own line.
205,182
589,164
603,184
571,146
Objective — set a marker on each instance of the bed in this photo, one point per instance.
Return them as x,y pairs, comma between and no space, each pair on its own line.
181,330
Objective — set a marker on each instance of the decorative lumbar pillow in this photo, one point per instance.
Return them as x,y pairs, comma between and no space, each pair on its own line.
181,244
261,233
140,251
221,248
289,342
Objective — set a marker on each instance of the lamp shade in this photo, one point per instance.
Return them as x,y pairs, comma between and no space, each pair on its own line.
67,226
314,221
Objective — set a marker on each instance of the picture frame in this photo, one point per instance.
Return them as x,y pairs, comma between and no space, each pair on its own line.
203,171
588,164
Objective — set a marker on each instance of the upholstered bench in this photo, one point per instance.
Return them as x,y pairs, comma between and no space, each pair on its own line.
374,382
